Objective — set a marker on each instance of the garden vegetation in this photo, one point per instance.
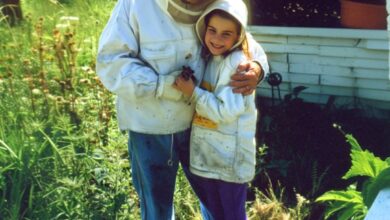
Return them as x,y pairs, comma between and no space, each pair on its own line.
62,155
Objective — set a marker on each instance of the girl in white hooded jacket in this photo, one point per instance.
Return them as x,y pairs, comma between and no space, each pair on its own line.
222,148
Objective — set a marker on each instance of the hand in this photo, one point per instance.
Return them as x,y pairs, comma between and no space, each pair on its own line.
246,78
186,86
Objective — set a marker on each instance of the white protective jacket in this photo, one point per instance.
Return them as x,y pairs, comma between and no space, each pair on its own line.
141,51
223,131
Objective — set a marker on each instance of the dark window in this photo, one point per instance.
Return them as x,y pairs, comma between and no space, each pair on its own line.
296,13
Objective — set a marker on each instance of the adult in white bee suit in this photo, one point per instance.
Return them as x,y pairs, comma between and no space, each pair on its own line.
141,50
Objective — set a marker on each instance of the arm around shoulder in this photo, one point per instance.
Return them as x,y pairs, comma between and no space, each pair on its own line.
259,56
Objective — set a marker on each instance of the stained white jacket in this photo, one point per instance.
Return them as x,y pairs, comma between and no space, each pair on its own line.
223,131
141,50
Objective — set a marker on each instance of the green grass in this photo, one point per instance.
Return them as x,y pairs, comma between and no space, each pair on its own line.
61,156
61,153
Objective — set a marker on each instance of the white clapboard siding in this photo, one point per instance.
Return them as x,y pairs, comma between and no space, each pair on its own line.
373,84
321,41
365,73
338,90
338,81
330,51
350,64
277,66
311,68
271,39
287,48
318,32
374,44
280,57
339,61
304,78
353,52
325,90
374,94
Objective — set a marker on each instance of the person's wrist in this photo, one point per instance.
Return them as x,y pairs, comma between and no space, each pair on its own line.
260,73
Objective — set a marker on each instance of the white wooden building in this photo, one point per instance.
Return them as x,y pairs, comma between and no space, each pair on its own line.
350,64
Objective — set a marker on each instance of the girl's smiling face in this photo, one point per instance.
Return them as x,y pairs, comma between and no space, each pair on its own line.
221,35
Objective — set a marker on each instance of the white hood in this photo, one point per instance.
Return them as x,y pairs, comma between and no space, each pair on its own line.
236,8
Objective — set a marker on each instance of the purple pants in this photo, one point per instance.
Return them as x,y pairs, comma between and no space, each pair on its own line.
223,200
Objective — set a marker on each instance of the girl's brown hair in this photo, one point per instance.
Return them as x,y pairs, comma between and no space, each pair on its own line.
244,46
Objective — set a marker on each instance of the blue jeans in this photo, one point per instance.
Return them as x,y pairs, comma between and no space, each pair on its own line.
154,164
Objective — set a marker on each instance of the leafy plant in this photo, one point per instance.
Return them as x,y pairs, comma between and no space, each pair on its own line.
354,202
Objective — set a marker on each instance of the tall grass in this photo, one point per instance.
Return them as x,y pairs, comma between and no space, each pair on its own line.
61,153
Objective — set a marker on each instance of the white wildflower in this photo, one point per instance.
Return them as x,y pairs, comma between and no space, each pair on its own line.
70,18
36,91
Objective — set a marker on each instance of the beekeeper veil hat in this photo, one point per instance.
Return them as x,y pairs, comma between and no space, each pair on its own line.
184,12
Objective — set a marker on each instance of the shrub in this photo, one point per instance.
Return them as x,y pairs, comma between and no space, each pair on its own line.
354,202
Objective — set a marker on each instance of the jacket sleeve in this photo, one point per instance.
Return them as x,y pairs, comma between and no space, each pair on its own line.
258,55
119,66
222,106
